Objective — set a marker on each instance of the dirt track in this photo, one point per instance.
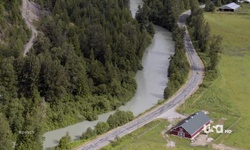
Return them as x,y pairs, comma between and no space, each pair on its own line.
29,15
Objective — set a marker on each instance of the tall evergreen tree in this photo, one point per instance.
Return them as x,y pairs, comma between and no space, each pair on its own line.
64,143
204,38
8,80
214,51
31,134
6,142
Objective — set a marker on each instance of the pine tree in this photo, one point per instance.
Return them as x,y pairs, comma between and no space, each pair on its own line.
218,3
63,143
215,49
6,142
31,134
88,134
101,127
8,77
204,38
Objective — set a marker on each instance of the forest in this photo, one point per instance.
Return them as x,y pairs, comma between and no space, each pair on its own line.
82,63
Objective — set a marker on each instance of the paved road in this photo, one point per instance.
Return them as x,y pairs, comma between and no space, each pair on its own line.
195,79
25,15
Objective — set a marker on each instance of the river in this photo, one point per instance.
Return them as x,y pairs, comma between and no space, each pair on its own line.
151,82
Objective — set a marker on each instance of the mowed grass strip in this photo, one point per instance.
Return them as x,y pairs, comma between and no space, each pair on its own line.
146,138
228,96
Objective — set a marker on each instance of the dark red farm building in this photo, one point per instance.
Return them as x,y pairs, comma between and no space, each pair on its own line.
191,126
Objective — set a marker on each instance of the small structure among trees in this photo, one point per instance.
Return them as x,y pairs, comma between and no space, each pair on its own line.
191,126
229,7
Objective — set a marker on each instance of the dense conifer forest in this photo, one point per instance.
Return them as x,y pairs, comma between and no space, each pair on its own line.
82,63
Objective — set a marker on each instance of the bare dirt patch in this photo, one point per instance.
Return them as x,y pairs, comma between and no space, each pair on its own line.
170,143
33,11
30,13
171,115
202,140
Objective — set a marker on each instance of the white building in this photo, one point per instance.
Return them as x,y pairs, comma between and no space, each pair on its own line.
229,7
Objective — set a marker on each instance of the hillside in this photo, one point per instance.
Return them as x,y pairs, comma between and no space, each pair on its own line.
82,63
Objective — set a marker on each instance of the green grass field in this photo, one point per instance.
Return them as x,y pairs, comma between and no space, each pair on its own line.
147,138
229,95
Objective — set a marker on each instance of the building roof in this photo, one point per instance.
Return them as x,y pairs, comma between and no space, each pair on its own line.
194,122
230,6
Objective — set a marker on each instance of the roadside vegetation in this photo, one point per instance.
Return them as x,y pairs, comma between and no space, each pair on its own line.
208,46
119,118
226,97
